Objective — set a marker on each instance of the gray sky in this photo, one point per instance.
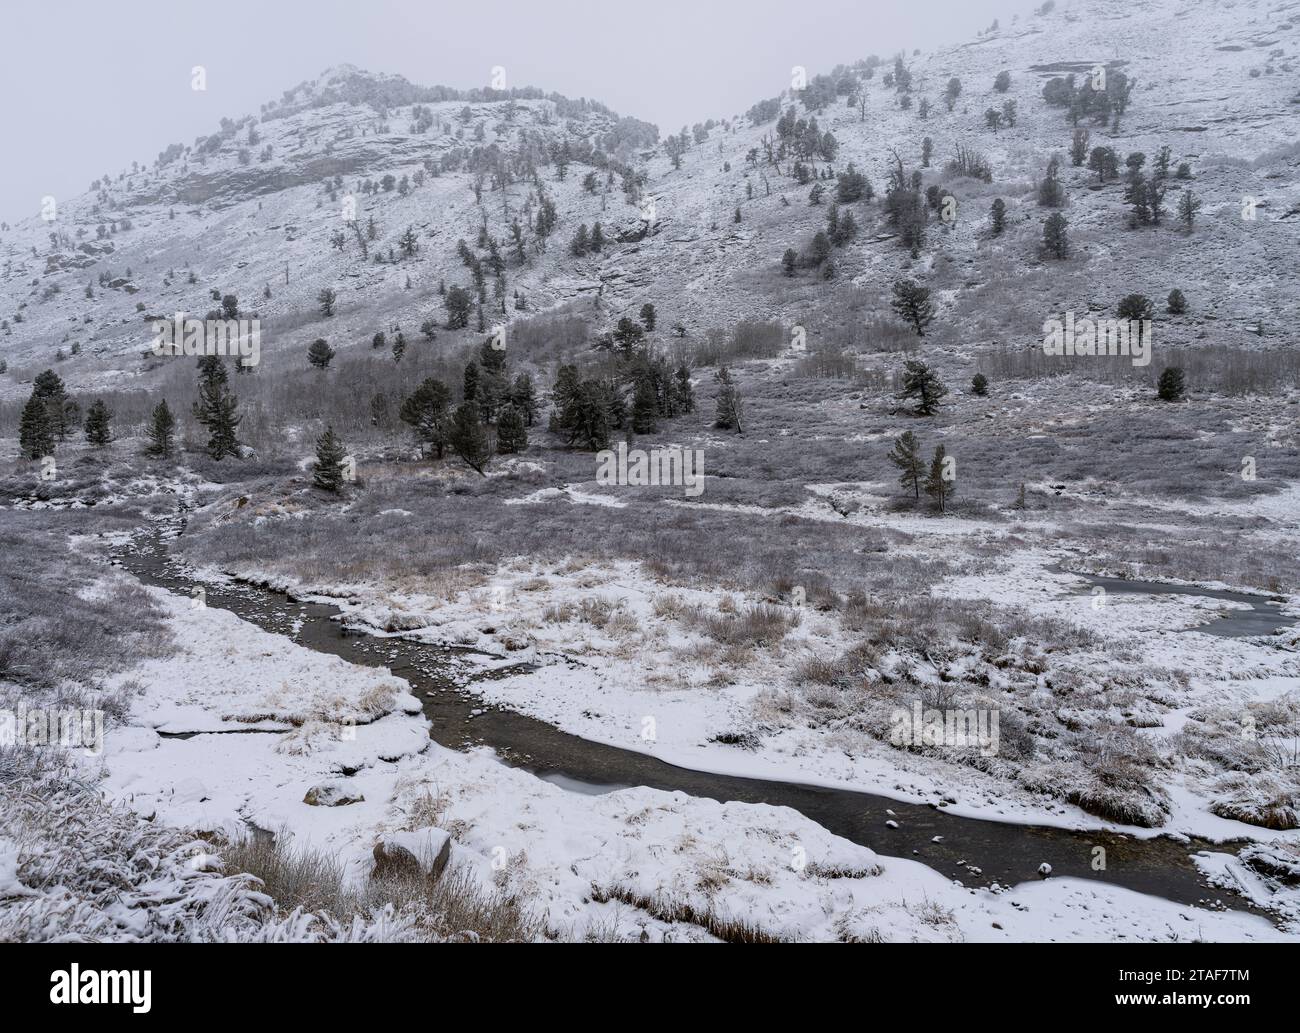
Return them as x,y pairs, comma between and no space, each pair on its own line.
88,87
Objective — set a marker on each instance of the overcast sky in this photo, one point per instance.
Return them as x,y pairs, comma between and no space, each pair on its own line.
88,87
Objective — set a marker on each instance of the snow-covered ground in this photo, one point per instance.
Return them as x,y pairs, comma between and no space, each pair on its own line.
264,735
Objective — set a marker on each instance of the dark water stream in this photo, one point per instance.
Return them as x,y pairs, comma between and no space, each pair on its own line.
972,850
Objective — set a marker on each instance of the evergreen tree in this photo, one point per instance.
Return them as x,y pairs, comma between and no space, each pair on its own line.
921,383
1056,237
729,406
1135,307
216,409
906,456
628,335
1172,385
320,354
685,394
912,303
1188,205
408,242
162,426
937,486
399,346
35,435
789,260
645,406
597,238
98,431
1177,304
327,472
326,299
459,304
469,382
979,385
512,435
998,215
581,242
61,410
426,412
1050,192
468,439
648,317
523,396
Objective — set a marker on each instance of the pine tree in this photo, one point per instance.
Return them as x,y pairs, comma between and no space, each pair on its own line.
648,317
61,411
1177,303
920,382
327,472
216,409
789,260
1188,205
998,215
326,299
469,381
912,303
645,406
979,385
512,435
729,407
35,435
937,485
162,425
98,431
1172,385
408,242
685,394
320,354
1056,238
523,396
426,412
906,455
581,242
468,439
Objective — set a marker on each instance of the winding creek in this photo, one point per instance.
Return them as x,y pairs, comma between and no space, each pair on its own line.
974,851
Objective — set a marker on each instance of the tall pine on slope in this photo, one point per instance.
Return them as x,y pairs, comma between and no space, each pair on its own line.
162,425
427,413
468,439
512,435
920,382
906,455
645,406
327,472
35,435
98,431
523,396
61,411
912,303
216,408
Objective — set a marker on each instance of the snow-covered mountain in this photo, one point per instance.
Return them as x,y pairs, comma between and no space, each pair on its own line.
251,208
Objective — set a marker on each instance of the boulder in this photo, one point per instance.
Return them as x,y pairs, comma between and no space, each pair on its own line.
331,794
412,854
